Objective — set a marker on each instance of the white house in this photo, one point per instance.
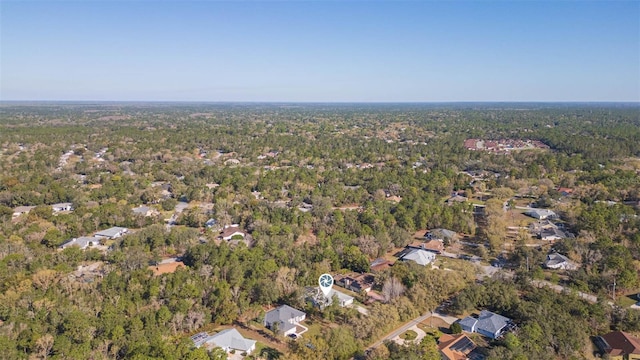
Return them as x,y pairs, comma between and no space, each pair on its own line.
541,214
419,256
319,299
552,234
229,232
343,299
559,262
228,340
82,242
22,210
285,318
62,207
487,324
112,233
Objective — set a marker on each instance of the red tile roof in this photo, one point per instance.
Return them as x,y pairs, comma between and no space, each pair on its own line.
455,347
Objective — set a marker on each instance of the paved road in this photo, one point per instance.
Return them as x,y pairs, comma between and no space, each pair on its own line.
400,330
489,271
558,288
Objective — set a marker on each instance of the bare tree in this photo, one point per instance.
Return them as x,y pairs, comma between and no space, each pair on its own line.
368,245
194,319
392,289
286,280
44,345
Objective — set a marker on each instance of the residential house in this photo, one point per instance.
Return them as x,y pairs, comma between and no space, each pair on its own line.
619,345
285,318
487,324
62,207
355,282
552,234
344,300
112,233
380,264
230,231
538,226
457,347
547,230
441,234
228,340
559,262
319,299
541,214
82,242
210,223
468,324
20,210
419,256
565,191
456,199
434,246
144,211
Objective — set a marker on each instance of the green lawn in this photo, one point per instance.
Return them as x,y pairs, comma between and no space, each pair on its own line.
315,328
409,335
626,301
431,332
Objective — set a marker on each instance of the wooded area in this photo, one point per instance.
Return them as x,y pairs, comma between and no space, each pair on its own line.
316,188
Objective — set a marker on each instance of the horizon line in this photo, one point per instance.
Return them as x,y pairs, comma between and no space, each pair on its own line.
332,102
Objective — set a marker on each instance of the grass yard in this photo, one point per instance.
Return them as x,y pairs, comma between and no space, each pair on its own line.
315,328
626,301
409,335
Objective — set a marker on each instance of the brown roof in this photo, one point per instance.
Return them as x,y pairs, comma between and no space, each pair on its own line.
380,264
355,281
621,343
455,347
166,268
430,245
230,231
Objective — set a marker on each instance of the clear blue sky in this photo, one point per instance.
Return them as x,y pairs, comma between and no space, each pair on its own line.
369,51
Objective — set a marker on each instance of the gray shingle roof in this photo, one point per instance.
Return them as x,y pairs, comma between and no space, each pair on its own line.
112,232
555,259
491,322
541,213
441,234
83,242
231,339
283,316
468,322
421,257
141,210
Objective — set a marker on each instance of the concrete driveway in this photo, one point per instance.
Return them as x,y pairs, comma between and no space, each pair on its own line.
420,332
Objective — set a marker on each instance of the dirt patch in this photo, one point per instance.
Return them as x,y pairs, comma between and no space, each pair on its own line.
167,268
419,234
433,323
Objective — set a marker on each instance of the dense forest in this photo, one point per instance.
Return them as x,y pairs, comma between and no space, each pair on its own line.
316,188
